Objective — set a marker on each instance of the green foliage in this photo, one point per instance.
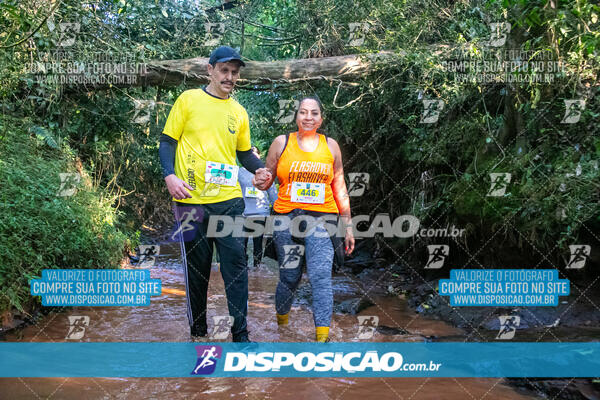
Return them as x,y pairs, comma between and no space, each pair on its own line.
41,230
438,172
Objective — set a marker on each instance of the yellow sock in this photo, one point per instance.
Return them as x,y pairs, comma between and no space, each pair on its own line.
282,319
322,333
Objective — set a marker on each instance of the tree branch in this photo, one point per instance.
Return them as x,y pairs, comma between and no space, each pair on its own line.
36,29
170,73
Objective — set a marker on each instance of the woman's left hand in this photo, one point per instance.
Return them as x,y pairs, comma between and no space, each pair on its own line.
349,241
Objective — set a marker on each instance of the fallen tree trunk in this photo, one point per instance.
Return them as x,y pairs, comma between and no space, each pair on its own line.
171,73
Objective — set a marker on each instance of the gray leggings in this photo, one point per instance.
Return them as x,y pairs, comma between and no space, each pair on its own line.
318,253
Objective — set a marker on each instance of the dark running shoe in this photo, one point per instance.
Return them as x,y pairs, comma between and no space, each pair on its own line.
242,338
196,331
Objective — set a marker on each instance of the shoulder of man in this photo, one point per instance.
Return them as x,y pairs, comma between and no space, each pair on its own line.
241,111
184,96
191,92
239,106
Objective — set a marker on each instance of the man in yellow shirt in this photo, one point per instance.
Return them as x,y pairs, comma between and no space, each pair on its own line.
204,132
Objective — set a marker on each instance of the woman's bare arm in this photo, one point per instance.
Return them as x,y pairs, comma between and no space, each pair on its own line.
340,192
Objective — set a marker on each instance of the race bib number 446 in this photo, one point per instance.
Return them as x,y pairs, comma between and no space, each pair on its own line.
303,192
221,174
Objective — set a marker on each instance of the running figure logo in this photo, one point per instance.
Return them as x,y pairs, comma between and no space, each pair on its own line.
431,111
214,32
210,189
579,255
437,255
357,33
508,326
499,33
286,111
207,359
68,183
293,256
185,226
573,109
147,254
357,183
367,325
143,109
77,325
499,183
67,32
222,326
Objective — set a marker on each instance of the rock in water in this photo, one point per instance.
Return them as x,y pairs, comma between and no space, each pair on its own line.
353,306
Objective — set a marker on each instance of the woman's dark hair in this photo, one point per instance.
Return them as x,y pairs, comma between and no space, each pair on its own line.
315,98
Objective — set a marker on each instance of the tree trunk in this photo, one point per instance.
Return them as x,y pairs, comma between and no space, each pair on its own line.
171,73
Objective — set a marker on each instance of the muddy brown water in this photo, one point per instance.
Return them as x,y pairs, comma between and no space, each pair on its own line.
165,320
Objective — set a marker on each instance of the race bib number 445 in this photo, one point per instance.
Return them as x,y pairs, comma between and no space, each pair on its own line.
221,174
303,192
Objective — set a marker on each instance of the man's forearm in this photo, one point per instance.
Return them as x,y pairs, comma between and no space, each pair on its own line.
166,152
249,160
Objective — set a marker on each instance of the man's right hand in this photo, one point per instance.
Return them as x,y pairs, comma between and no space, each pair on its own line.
177,187
262,179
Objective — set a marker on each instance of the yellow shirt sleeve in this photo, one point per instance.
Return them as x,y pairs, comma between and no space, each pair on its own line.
243,139
176,119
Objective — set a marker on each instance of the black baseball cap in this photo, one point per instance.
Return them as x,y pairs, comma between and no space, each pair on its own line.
224,54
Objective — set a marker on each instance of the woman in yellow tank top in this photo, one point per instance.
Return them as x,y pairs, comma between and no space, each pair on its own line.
309,168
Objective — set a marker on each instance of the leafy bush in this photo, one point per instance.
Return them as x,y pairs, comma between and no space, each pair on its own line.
39,229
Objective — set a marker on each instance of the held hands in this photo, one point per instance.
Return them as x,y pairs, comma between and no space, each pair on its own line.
177,187
262,179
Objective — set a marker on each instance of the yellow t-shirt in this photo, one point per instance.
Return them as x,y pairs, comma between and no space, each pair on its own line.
207,128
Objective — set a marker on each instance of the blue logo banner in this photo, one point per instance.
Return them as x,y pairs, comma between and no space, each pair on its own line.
95,287
504,287
129,359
